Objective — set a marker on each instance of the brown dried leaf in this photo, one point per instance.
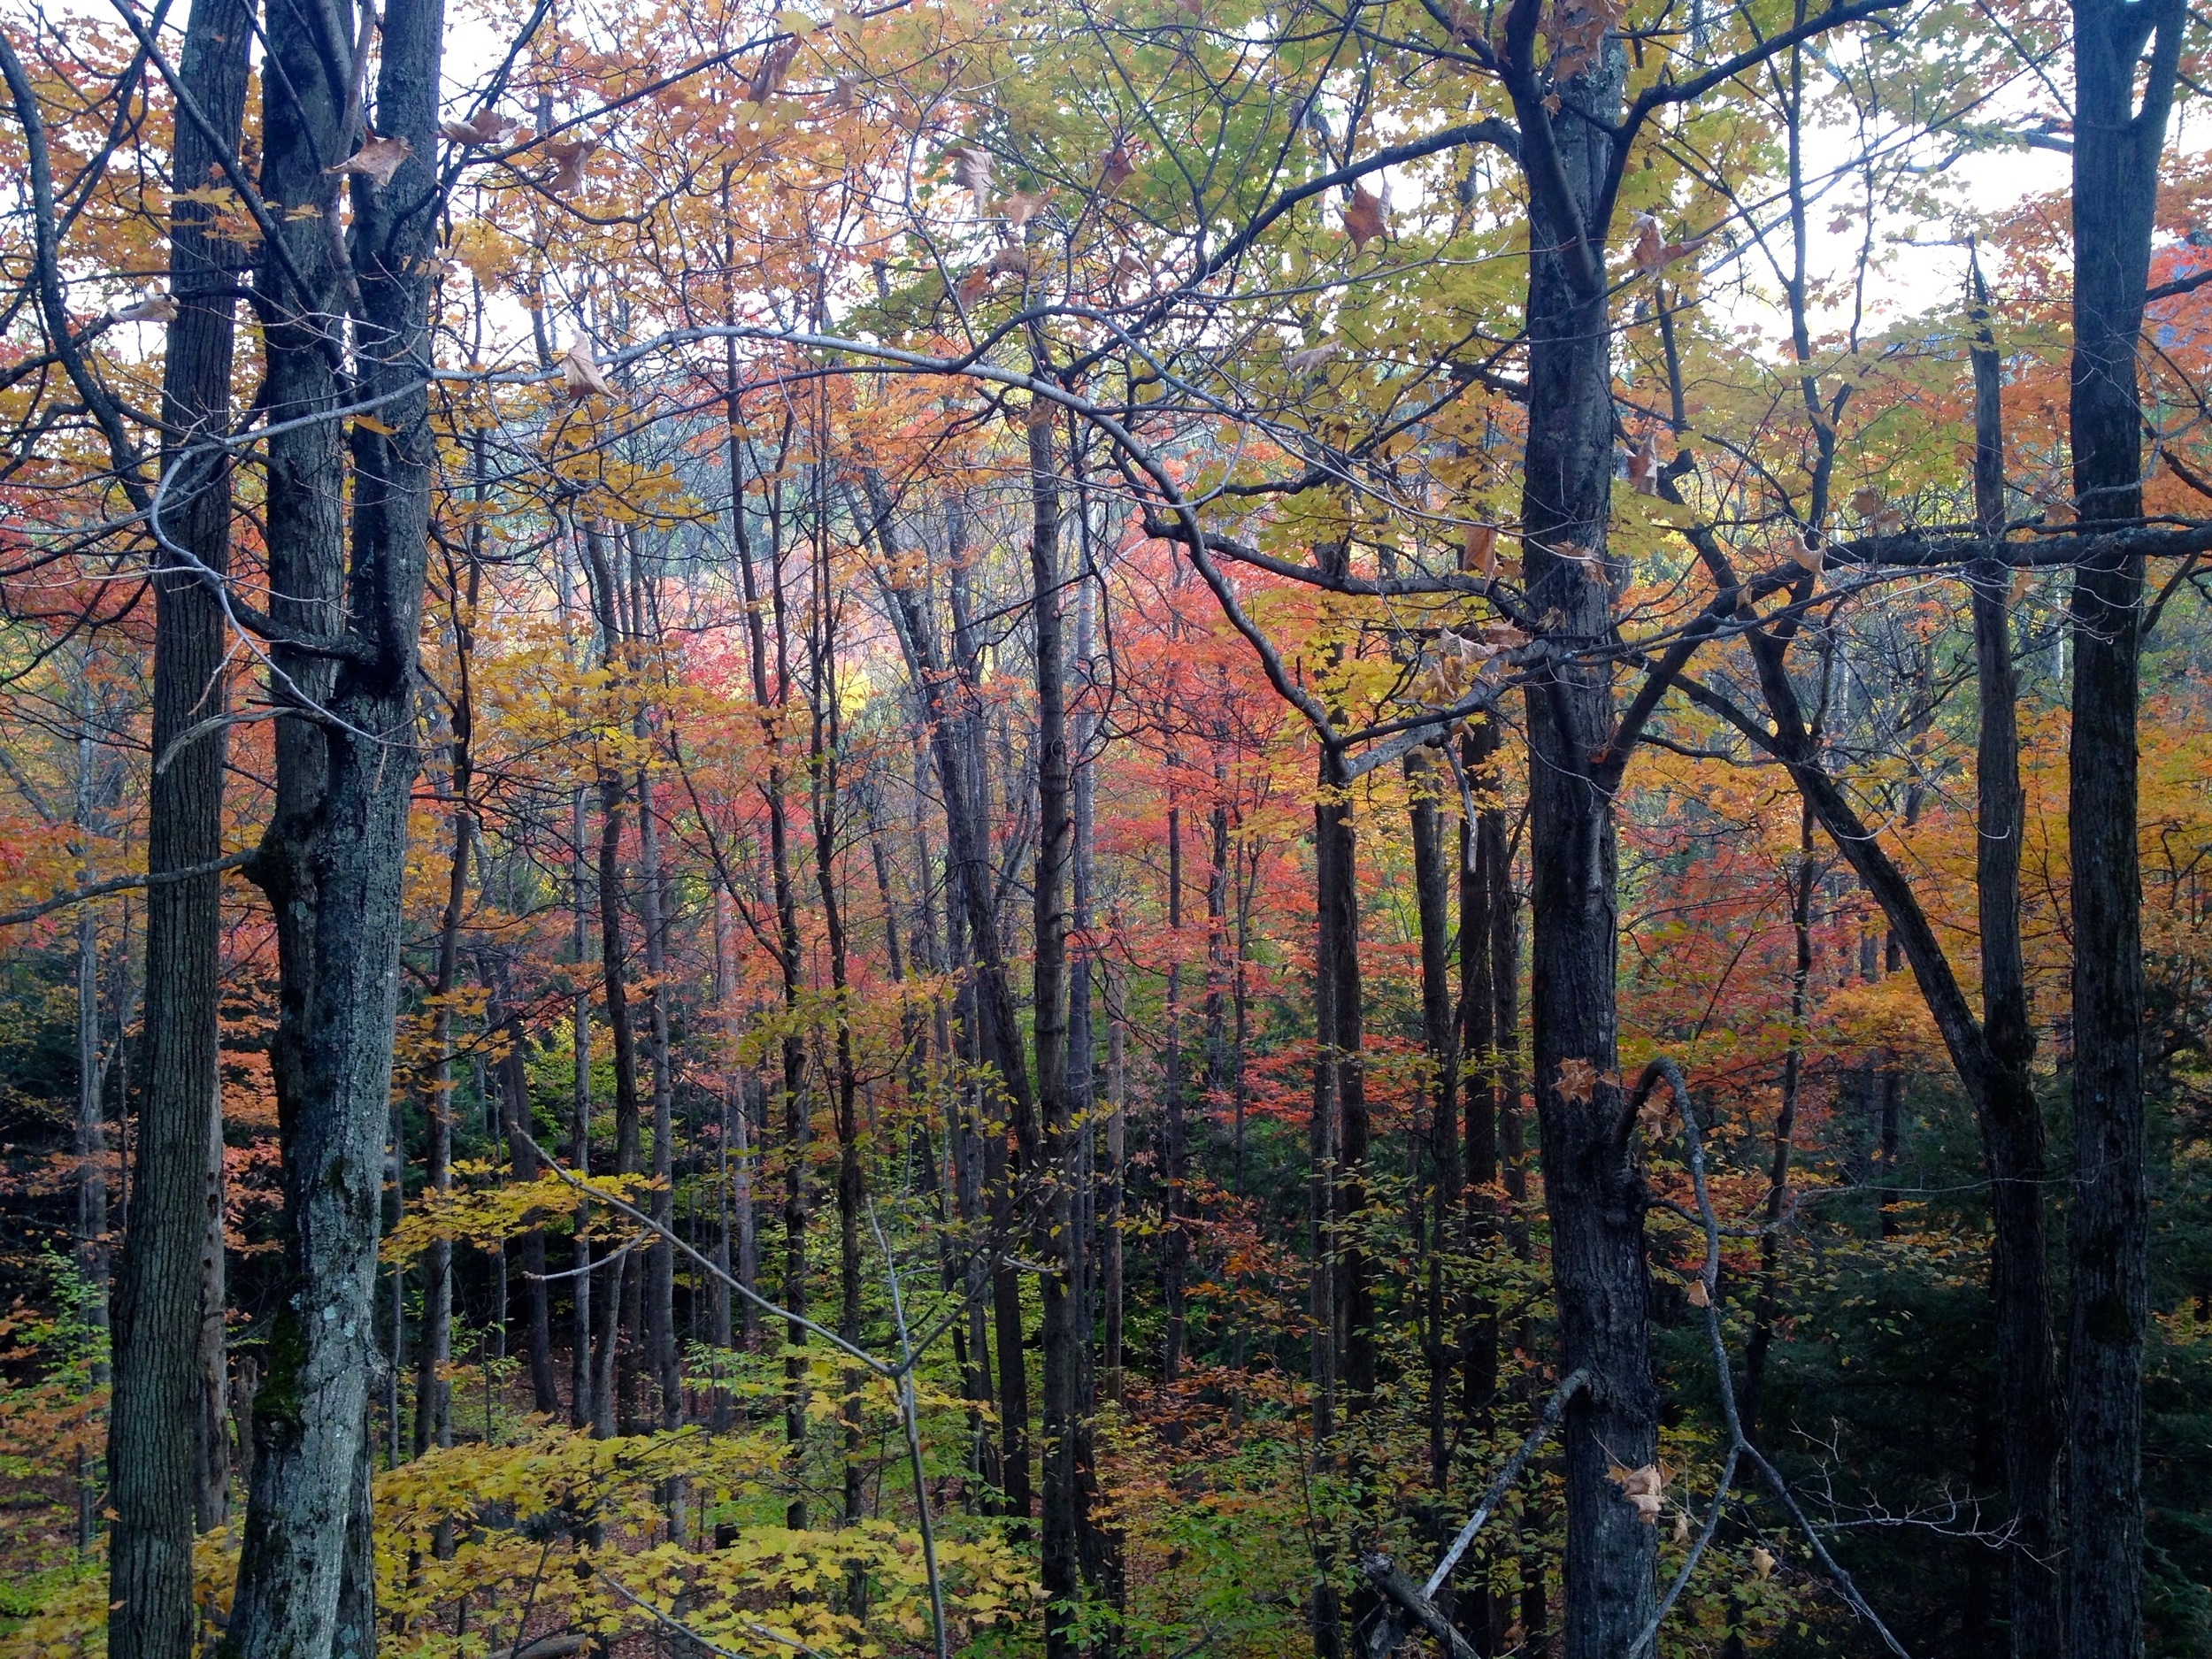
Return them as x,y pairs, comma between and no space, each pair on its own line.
971,172
1644,467
1312,358
1866,501
1763,1561
775,64
1505,637
1577,1082
1700,1297
1479,553
569,157
1019,207
486,127
1114,169
154,308
1362,217
377,159
580,373
1807,550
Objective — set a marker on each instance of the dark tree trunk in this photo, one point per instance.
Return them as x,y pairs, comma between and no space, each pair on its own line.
957,753
770,691
1591,1188
2117,144
619,1308
2012,1118
1056,1240
1174,1140
335,859
581,1412
1440,1043
515,1119
152,1445
662,1349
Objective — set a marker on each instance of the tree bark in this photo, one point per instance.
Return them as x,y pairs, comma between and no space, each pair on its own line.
1440,1046
1592,1191
1057,1237
2013,1120
152,1442
2117,145
335,859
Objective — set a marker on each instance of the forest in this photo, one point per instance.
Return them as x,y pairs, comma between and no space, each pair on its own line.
1105,829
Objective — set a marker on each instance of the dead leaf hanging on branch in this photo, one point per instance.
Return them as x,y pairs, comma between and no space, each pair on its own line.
775,64
154,308
377,159
487,127
971,172
1362,217
1645,1489
569,157
1652,252
580,373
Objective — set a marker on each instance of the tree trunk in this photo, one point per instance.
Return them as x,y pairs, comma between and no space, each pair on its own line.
1440,1046
2117,145
2013,1119
1592,1191
515,1119
581,1411
152,1438
335,859
1174,1149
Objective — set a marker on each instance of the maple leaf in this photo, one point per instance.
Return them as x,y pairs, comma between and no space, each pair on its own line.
971,172
1505,637
580,373
569,157
1807,550
1019,207
377,159
1479,552
1575,30
1362,217
1645,1489
1577,1082
1700,1297
1866,501
154,308
842,95
775,64
1644,467
487,127
1114,169
1652,252
1763,1561
975,284
1312,358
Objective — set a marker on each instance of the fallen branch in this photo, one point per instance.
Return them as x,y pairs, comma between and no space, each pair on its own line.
1385,1634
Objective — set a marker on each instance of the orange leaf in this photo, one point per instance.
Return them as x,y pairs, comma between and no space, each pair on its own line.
1362,217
